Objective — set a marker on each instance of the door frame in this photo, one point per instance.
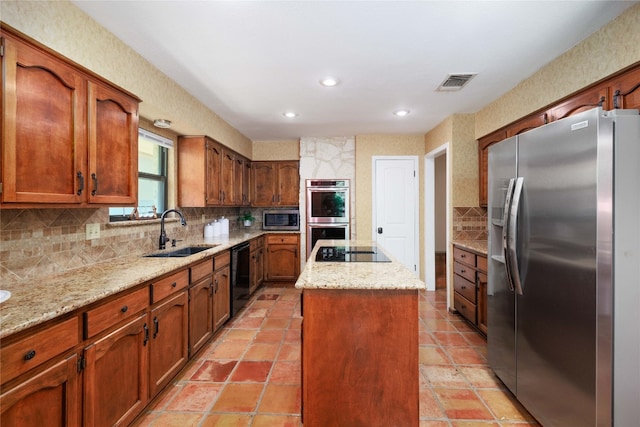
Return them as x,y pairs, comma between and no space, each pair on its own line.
429,218
416,194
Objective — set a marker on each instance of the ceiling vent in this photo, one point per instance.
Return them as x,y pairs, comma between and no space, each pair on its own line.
455,82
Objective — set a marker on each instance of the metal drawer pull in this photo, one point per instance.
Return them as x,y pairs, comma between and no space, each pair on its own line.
80,183
124,309
174,284
30,355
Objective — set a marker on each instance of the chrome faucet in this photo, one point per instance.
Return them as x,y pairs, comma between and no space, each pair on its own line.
163,236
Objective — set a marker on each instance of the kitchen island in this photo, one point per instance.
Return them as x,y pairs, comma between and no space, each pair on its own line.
359,341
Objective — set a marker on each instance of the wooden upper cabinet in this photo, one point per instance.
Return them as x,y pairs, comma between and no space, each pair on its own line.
526,124
113,147
625,90
583,101
246,183
44,122
264,182
288,183
276,183
483,163
65,131
199,171
227,178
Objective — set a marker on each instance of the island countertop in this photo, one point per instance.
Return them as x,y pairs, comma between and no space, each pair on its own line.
356,275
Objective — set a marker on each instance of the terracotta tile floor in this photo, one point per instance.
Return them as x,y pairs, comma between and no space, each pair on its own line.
250,374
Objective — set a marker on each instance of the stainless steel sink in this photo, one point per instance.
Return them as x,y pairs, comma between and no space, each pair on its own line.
182,252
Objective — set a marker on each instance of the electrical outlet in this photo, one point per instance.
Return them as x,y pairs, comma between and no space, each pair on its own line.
93,231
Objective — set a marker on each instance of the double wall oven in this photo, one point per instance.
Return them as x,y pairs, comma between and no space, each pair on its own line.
327,206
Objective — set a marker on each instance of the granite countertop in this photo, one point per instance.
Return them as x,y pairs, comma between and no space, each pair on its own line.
356,275
478,246
35,301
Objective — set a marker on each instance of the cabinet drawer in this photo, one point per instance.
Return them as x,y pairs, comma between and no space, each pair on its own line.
160,289
481,263
464,256
201,269
109,314
221,260
35,349
465,288
464,271
288,239
464,307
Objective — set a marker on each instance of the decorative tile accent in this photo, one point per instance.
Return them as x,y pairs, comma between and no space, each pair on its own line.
469,223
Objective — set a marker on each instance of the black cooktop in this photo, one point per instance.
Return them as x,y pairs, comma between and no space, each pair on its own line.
350,254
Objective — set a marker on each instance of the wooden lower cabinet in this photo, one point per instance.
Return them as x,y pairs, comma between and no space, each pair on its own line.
49,398
256,257
116,375
221,290
360,358
282,263
200,313
169,343
470,286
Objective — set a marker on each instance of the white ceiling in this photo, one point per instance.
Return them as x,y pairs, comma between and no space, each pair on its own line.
250,61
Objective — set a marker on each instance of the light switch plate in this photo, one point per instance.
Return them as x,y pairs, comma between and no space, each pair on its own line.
93,231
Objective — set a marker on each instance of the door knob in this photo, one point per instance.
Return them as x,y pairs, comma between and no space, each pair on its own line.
379,230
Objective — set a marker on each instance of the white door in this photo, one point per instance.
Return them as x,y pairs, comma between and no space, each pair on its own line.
395,201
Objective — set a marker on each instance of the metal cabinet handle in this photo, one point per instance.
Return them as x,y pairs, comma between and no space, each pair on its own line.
156,324
94,177
124,309
146,334
174,284
80,183
30,355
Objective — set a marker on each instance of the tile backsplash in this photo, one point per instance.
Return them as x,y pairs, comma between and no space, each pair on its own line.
469,223
37,242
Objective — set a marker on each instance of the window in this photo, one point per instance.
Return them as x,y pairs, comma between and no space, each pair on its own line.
152,177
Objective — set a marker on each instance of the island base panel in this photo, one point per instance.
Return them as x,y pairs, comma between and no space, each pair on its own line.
360,358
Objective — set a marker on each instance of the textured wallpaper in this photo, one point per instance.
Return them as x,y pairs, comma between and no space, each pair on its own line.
612,48
66,29
276,150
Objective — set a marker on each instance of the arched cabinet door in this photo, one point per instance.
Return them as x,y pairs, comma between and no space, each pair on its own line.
44,124
113,147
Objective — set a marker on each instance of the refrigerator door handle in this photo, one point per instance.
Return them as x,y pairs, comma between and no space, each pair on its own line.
505,231
513,234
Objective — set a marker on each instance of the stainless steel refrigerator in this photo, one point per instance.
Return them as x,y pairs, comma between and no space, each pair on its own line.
564,269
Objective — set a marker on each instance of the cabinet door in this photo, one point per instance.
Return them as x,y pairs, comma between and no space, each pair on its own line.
626,90
264,182
228,165
221,297
238,170
585,100
214,163
246,183
168,351
260,267
200,314
482,302
288,184
44,128
116,375
483,163
49,398
113,147
282,262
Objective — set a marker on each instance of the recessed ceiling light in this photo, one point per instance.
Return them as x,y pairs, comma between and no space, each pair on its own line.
290,114
329,81
401,113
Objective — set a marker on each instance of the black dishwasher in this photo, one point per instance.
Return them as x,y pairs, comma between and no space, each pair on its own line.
240,272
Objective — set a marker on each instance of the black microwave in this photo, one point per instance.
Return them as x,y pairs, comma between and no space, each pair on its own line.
281,219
